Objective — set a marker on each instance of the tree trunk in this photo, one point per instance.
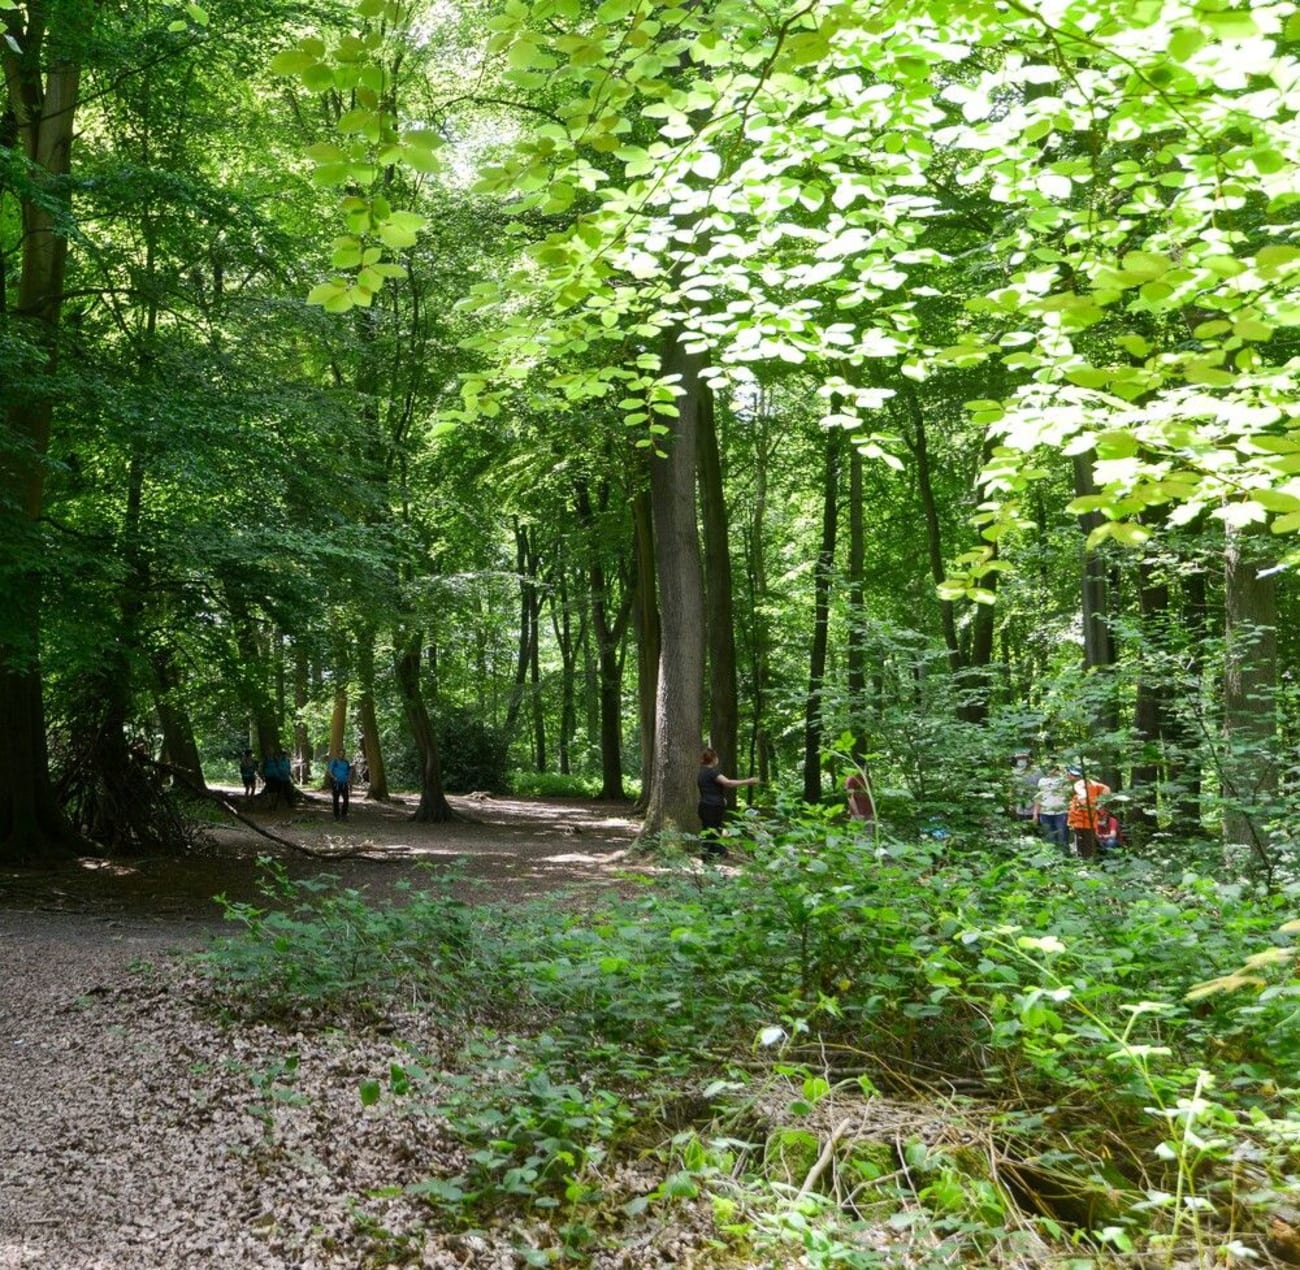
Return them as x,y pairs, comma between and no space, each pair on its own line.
302,742
1186,739
569,646
813,723
648,638
433,806
1098,644
527,632
724,720
763,749
178,732
1151,703
920,446
609,634
339,723
372,751
41,105
1249,691
857,641
673,792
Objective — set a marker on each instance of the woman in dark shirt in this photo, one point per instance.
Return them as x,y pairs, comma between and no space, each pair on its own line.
713,800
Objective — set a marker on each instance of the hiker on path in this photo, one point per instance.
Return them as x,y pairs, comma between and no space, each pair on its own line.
340,774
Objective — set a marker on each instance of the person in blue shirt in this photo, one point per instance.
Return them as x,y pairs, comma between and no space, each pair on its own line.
340,771
278,775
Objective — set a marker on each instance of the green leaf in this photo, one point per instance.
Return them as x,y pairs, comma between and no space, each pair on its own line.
291,62
370,1091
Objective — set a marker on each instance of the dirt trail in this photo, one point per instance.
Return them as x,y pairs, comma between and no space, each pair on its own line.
499,849
130,1138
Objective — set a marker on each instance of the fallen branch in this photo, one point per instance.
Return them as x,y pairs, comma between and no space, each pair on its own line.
227,804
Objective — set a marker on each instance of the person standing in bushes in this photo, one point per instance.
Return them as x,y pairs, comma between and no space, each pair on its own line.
1086,811
1024,785
713,801
862,807
1051,805
340,773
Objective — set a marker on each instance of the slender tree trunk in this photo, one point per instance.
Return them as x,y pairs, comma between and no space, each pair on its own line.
1151,703
648,638
569,645
40,109
1249,691
302,742
673,792
763,749
857,641
608,635
527,631
1186,739
813,722
920,446
377,778
433,806
724,712
1098,643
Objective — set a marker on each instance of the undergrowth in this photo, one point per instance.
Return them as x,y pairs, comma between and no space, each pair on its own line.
844,1051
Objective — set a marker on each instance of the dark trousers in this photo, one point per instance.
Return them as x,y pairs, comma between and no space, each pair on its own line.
711,817
340,792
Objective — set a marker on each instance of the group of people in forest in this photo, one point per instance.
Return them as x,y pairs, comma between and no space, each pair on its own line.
1067,804
277,775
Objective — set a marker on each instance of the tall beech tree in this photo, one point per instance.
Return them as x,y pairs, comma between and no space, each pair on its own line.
42,56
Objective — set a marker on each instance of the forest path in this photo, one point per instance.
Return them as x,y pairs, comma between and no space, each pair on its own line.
130,1139
498,848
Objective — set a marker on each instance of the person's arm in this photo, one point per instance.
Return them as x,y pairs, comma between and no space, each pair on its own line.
728,783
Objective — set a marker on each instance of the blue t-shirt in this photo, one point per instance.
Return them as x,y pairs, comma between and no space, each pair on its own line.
340,770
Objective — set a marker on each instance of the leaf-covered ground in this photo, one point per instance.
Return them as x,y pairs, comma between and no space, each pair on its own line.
141,1131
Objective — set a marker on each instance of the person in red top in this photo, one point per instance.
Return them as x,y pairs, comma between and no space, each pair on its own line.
861,805
1086,812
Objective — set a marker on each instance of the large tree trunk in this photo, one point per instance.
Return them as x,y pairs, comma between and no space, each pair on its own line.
41,105
673,792
1249,691
724,713
433,806
813,724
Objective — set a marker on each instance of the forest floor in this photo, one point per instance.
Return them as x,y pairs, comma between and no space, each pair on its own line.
132,1137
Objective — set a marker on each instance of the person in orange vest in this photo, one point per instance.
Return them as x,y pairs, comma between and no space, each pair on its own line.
1086,812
